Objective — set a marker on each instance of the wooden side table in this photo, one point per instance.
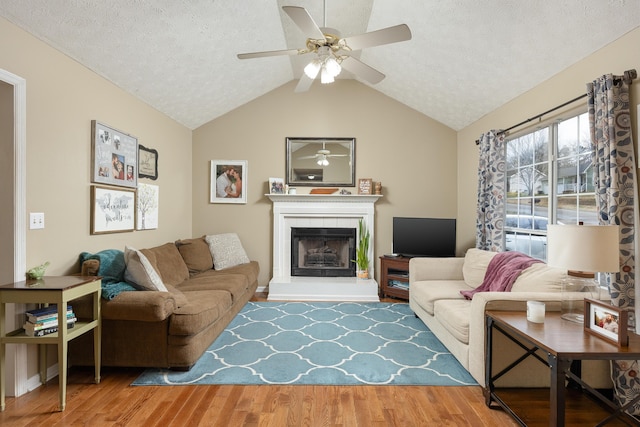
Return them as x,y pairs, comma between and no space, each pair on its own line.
51,290
562,341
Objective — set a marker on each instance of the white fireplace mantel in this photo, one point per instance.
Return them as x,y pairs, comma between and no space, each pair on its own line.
319,210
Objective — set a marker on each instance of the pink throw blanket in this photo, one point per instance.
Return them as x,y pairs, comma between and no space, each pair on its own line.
502,271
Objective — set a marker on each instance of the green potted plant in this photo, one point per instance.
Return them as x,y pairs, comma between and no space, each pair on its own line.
362,251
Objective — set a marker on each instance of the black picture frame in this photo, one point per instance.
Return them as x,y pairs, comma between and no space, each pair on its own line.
147,162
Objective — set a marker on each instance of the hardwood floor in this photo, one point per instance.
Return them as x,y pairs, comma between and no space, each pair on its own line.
114,402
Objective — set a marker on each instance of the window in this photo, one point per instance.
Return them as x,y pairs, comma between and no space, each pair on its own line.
549,181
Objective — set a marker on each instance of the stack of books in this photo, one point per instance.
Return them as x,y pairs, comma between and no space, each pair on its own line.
44,321
399,284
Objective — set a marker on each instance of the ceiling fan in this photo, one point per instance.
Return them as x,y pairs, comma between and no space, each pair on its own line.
332,53
323,156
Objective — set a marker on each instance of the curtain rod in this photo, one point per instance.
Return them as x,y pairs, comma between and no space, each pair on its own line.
629,76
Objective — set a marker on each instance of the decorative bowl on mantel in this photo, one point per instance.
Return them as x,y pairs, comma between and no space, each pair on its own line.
323,190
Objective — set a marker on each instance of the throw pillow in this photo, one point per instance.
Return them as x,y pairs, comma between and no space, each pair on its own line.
475,266
140,272
226,250
196,254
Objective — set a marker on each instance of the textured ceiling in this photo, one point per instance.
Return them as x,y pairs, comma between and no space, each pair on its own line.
466,57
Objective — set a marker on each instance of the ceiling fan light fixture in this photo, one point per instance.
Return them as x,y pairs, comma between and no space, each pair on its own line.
326,77
322,160
312,68
332,66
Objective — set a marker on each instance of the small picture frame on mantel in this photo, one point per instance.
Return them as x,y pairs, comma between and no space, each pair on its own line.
365,186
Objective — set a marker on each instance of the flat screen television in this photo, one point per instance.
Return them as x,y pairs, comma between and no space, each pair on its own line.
426,237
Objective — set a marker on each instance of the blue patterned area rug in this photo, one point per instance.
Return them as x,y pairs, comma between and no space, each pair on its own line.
321,343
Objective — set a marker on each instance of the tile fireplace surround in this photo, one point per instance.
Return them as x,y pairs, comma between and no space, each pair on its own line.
317,210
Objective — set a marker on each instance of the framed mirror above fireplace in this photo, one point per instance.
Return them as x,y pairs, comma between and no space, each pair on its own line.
320,162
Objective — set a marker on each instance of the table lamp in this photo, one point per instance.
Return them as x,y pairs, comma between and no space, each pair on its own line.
582,250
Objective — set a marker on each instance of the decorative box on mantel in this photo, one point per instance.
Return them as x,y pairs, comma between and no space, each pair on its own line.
319,211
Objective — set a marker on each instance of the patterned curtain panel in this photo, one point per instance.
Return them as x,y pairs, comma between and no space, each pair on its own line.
491,192
615,169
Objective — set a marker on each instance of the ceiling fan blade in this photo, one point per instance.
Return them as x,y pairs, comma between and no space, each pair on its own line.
337,155
362,70
304,21
398,33
304,84
268,53
307,157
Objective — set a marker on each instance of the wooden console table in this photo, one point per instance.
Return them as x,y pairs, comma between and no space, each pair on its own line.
51,290
563,341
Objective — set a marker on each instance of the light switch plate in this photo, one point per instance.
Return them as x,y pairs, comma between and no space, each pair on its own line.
36,220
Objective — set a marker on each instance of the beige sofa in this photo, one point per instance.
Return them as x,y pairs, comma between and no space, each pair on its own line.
459,323
170,328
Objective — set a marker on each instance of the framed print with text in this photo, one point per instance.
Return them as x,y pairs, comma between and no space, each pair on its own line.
113,210
365,186
147,162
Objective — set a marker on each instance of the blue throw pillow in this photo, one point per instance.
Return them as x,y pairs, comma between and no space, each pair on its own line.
111,270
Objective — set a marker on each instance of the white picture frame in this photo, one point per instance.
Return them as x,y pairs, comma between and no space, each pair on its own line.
276,186
228,181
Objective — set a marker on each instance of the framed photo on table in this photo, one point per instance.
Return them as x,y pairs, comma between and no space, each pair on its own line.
114,156
113,210
228,181
606,321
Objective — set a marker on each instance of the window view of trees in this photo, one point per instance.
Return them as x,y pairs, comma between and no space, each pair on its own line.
547,189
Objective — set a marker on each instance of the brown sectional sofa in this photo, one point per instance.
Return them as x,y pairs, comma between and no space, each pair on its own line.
168,329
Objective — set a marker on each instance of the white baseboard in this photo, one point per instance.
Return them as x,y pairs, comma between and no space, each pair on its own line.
34,382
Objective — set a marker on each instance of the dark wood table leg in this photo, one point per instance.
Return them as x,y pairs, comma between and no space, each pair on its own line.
488,382
557,390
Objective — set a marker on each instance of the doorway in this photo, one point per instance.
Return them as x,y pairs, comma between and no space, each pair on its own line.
13,146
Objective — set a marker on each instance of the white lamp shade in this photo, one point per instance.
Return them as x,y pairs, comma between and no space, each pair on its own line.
587,248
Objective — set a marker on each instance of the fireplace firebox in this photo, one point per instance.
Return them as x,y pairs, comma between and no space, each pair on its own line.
323,252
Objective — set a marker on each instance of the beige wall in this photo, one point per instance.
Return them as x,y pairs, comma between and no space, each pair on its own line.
62,99
615,58
412,155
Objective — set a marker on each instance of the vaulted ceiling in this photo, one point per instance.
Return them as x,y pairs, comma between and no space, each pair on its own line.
465,58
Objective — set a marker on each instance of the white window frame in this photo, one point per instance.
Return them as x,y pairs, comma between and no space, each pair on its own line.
528,239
